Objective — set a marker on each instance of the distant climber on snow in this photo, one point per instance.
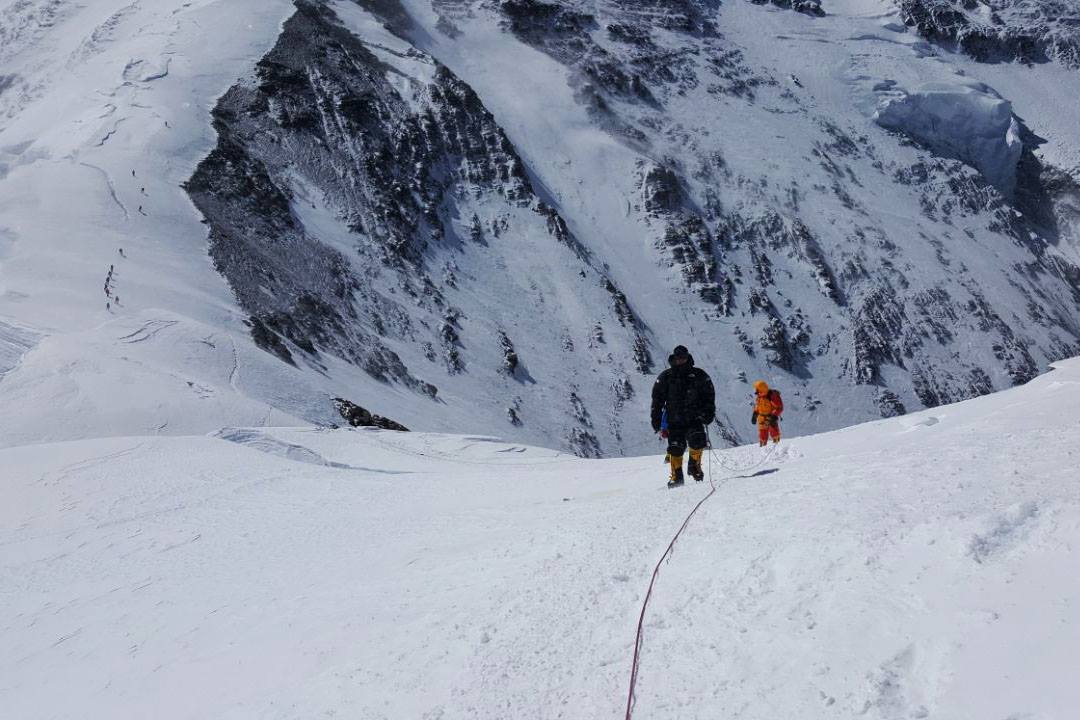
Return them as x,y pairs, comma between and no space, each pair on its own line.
684,398
768,408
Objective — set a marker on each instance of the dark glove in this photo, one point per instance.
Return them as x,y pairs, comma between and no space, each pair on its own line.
753,418
656,427
774,420
664,433
706,420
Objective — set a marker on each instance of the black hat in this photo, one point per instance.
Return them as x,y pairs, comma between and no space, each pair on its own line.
680,351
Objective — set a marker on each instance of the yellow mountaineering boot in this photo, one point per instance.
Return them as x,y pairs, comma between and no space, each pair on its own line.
694,466
676,471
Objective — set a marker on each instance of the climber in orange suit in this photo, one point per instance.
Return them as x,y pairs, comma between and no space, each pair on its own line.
767,411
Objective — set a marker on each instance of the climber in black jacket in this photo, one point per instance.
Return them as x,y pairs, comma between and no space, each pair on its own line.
684,398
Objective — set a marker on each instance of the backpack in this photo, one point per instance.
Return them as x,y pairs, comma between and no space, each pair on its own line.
776,400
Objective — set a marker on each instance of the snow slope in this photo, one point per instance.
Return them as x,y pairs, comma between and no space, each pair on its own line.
99,91
915,567
667,177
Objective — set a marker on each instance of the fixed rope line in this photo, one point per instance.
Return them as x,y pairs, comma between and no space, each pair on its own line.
760,461
645,604
639,637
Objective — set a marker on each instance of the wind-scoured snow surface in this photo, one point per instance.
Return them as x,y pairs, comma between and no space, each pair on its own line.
916,567
390,202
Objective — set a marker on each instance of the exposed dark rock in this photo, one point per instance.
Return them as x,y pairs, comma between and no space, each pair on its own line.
878,321
7,82
360,417
661,191
510,356
726,432
1011,350
938,316
319,111
629,33
581,437
807,7
889,404
268,340
1027,31
642,357
432,196
584,443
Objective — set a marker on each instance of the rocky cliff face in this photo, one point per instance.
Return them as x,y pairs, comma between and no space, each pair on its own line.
365,204
347,190
1027,31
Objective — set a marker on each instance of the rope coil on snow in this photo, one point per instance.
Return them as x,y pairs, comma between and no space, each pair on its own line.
760,461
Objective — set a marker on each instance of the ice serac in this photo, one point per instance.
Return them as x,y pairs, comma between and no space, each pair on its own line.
968,121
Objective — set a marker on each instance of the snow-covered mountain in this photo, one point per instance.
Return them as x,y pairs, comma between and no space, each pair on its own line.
500,216
915,567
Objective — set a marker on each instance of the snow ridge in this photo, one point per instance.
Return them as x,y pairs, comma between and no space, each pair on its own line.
892,569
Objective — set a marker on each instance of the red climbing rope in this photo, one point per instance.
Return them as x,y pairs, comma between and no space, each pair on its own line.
648,594
656,570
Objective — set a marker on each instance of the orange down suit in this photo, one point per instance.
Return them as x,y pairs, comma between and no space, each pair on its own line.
766,409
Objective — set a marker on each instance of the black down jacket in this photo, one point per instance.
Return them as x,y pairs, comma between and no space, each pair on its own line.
686,392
